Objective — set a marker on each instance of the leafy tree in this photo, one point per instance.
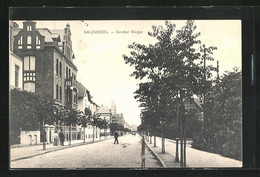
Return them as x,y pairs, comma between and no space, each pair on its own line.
174,71
28,111
224,102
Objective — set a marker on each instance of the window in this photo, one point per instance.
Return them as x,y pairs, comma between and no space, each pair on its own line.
69,73
16,75
29,76
60,94
29,28
20,43
29,42
57,92
67,76
74,77
60,69
29,63
38,42
57,66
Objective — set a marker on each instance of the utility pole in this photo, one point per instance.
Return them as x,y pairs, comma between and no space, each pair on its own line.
204,94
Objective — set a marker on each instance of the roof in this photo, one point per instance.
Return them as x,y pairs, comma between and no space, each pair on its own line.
103,110
194,100
16,31
81,90
197,101
46,33
60,32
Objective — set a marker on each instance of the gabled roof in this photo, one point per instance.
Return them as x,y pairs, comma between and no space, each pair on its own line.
196,101
81,90
103,110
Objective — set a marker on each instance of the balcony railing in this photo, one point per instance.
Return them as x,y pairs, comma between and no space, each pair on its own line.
70,82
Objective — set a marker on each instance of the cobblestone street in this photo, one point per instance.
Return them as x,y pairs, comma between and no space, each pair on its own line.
105,154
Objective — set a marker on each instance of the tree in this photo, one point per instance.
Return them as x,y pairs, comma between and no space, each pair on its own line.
224,102
70,118
173,68
29,111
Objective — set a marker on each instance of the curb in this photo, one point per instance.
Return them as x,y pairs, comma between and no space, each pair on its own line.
155,155
65,147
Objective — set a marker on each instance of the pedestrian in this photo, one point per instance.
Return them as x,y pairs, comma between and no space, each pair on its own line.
116,137
55,143
61,136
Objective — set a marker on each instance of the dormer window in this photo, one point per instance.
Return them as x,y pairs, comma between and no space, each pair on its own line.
29,28
20,43
29,42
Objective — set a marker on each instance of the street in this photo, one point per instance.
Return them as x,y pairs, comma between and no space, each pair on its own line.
105,154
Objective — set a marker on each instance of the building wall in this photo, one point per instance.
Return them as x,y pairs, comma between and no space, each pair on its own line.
15,60
30,137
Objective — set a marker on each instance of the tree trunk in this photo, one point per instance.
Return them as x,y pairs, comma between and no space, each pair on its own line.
163,142
93,133
84,134
70,132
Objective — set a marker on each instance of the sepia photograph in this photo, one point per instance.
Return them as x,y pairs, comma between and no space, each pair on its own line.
135,94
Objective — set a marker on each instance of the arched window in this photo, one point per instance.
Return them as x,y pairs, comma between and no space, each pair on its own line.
29,42
20,43
38,42
57,92
60,69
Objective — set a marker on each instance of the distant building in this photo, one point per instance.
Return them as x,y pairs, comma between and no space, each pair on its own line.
105,113
194,104
85,102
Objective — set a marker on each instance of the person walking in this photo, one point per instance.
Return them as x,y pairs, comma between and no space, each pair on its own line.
61,136
116,137
55,143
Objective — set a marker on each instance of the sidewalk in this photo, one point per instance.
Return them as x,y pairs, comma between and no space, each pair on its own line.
166,159
194,158
23,152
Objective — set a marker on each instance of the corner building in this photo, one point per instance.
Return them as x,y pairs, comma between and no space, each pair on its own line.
48,68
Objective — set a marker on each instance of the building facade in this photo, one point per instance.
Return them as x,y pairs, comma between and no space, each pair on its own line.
47,66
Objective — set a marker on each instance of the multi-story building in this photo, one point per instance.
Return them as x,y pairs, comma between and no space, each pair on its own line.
48,68
15,62
85,102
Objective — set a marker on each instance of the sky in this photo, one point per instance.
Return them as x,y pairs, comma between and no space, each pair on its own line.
102,70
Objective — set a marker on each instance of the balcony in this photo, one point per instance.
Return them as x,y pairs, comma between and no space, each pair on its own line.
70,82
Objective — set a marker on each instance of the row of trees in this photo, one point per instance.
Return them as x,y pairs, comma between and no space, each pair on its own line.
29,111
172,70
